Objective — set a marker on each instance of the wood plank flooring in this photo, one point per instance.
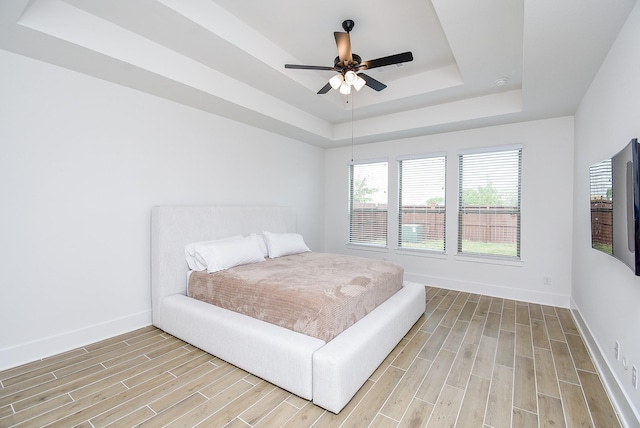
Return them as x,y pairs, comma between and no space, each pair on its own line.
470,361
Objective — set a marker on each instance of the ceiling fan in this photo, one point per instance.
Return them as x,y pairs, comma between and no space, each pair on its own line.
350,66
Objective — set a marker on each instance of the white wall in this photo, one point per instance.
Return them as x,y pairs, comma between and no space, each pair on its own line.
605,291
547,175
82,161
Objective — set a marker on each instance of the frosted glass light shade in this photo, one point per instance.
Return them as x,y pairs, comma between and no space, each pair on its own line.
350,77
336,81
345,88
359,83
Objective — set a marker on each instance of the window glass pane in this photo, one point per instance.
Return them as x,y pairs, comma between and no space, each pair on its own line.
368,204
489,203
421,211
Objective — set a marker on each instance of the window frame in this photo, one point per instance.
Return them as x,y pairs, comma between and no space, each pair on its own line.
517,211
382,227
443,212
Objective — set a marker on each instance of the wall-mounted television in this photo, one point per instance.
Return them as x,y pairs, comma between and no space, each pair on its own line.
615,199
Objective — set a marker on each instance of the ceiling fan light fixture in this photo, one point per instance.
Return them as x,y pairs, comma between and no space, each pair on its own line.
350,77
336,81
348,63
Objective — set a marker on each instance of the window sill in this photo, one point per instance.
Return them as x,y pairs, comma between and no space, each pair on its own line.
421,253
364,247
489,260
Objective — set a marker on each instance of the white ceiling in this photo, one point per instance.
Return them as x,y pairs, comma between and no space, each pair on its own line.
227,57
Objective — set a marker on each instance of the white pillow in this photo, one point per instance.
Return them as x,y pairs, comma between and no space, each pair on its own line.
284,244
227,254
196,252
262,243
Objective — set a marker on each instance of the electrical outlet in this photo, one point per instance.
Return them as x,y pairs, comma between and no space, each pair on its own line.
546,280
616,350
634,377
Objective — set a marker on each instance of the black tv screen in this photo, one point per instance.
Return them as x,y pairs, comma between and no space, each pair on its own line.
615,195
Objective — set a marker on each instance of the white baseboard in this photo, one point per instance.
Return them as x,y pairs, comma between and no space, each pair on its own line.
627,413
63,342
513,293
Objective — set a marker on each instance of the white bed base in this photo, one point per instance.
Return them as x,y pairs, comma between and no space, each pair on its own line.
328,373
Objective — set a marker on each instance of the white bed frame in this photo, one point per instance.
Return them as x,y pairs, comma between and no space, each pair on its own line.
328,373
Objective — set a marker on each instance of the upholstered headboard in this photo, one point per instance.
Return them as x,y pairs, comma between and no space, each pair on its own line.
173,227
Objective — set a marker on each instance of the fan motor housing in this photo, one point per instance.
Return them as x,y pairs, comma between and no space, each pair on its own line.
356,61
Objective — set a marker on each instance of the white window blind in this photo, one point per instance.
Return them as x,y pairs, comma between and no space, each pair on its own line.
368,201
421,221
489,203
601,182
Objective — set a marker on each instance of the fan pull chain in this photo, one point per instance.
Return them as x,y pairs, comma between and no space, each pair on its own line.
351,126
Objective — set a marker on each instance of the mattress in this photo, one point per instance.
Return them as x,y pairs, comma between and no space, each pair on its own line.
317,294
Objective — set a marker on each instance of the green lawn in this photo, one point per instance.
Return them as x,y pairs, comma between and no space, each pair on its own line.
489,248
603,247
468,247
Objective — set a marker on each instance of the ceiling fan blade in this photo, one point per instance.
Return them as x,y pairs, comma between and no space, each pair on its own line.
343,42
387,60
309,67
372,83
326,88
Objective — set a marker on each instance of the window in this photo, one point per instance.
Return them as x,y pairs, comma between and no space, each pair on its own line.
601,177
421,202
368,204
489,203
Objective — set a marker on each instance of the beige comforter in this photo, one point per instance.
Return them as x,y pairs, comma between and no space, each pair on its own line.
317,294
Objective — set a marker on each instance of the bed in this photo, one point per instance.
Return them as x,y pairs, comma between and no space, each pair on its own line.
328,373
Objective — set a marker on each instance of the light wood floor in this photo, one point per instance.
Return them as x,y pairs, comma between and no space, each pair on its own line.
470,361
